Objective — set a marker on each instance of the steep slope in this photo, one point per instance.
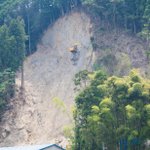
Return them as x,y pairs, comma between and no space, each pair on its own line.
118,50
48,74
34,118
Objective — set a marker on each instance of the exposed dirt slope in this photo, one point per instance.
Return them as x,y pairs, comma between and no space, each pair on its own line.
49,73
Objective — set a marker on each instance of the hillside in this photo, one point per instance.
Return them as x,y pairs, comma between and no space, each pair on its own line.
118,50
49,73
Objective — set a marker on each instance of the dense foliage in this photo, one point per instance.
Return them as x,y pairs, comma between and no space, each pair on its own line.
113,112
127,13
7,83
12,49
12,44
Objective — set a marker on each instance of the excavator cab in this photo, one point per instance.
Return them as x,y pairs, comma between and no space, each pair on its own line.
74,54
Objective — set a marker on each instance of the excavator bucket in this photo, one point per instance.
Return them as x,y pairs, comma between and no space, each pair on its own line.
73,49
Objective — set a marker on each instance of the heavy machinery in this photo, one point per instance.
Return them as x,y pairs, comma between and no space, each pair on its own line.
75,53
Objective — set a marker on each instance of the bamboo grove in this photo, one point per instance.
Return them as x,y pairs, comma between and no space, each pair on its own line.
112,112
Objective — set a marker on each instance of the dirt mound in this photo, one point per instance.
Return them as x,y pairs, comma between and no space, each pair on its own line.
49,73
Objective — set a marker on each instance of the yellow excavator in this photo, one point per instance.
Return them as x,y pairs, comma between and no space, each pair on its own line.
74,53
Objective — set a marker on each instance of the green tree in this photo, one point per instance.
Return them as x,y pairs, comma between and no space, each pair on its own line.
7,84
113,111
16,29
12,49
12,45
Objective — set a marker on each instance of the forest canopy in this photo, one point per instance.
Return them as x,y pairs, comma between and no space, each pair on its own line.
12,53
113,112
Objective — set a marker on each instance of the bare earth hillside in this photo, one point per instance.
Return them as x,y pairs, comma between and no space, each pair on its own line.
34,118
49,73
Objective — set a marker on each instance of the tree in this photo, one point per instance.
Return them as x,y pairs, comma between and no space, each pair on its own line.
113,111
12,49
7,84
17,30
12,45
146,27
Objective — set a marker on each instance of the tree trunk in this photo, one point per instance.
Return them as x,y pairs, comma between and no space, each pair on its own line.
22,76
114,18
134,27
126,23
29,37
